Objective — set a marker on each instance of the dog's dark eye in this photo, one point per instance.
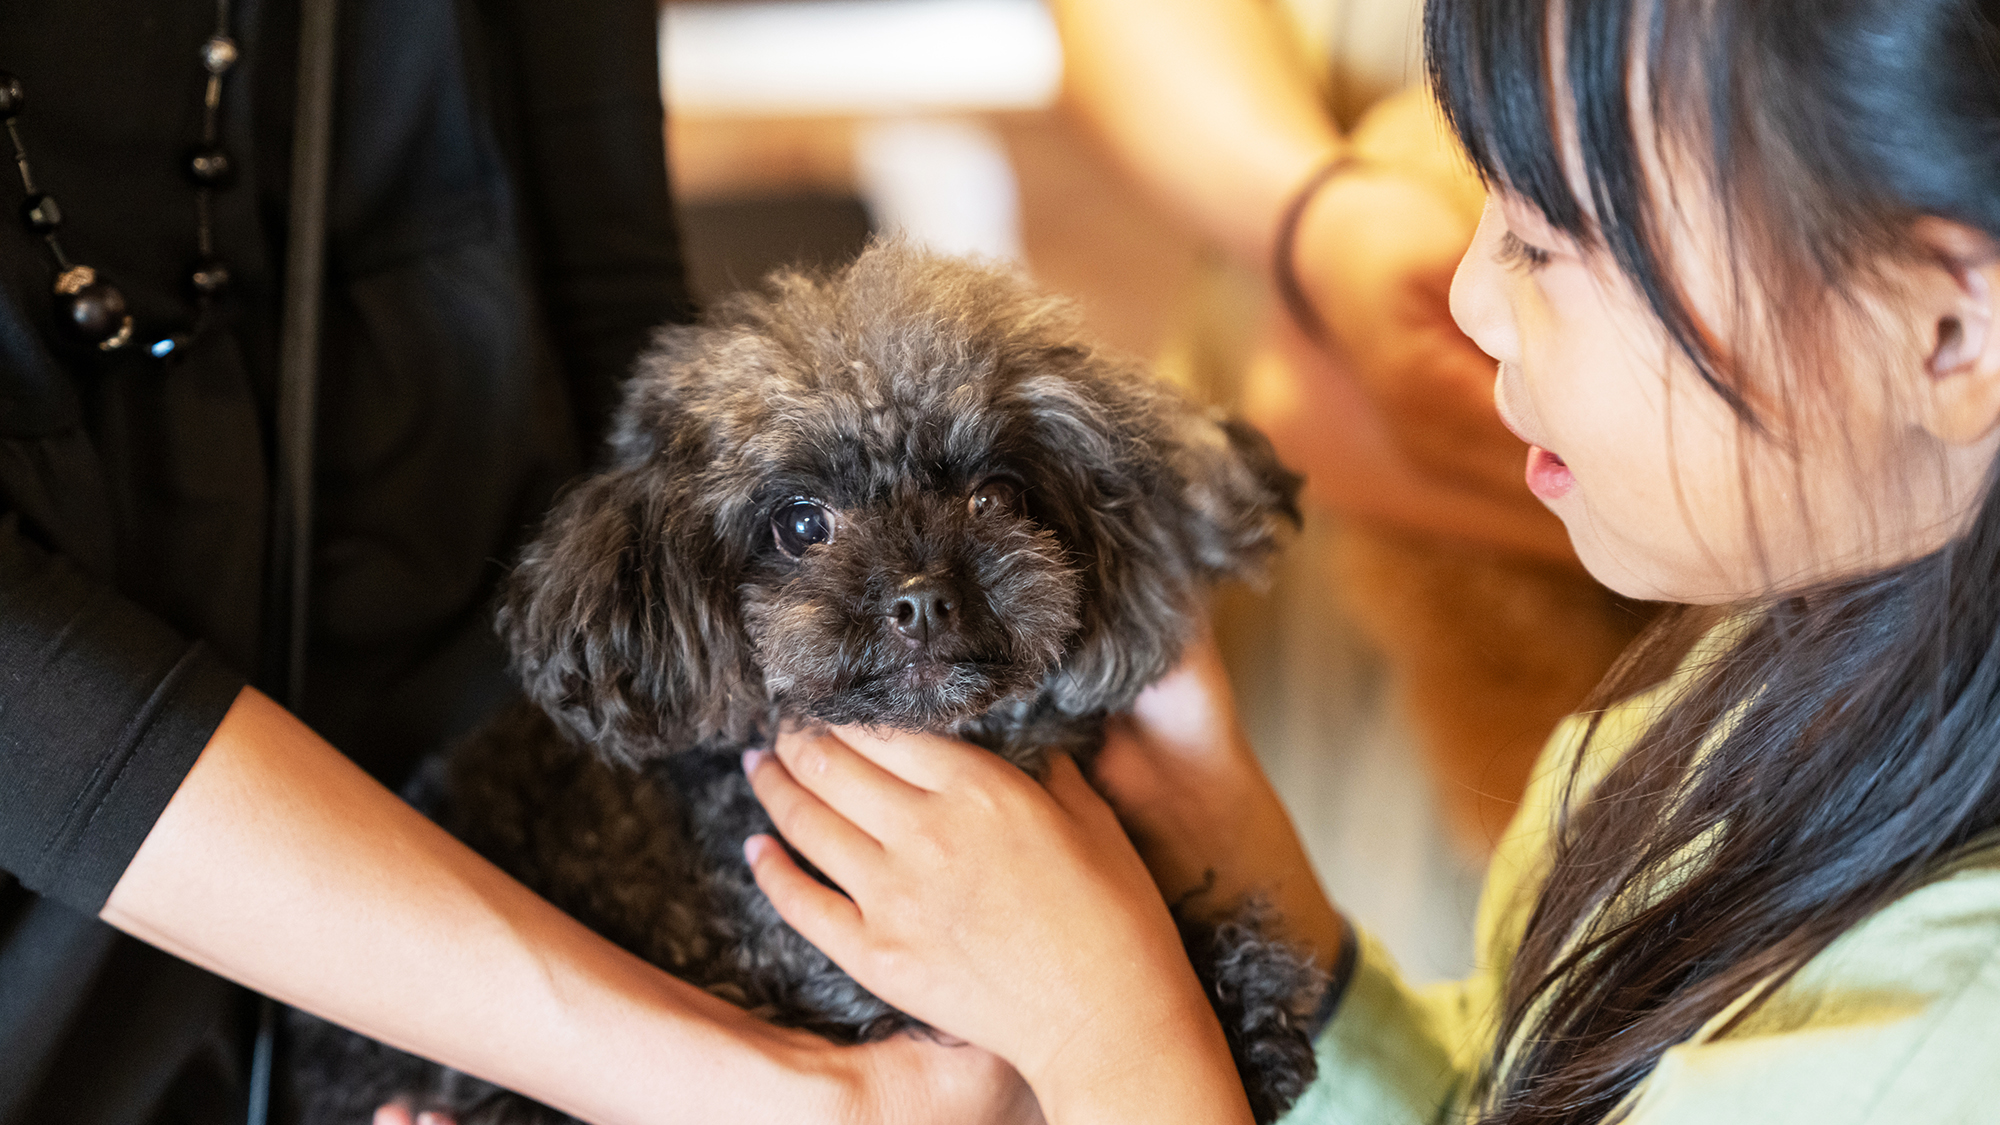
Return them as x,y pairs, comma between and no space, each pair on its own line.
801,524
994,496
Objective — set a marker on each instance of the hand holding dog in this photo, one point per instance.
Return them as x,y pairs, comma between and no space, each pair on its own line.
1016,917
1189,789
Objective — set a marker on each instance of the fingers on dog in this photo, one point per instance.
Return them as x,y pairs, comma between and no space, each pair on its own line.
832,842
1074,794
1125,771
825,917
927,761
397,1113
875,799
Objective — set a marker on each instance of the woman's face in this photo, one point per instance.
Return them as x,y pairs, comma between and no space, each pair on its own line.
1667,495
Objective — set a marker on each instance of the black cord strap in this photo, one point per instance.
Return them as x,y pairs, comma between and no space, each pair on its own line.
298,357
1344,965
298,395
1284,250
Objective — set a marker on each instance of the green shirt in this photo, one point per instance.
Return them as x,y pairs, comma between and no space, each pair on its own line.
1897,1021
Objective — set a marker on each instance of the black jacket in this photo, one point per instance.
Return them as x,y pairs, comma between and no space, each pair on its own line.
500,245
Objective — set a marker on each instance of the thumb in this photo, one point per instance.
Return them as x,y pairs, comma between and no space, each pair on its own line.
1067,785
1125,771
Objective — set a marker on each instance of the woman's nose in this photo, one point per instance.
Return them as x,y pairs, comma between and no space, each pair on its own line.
1478,291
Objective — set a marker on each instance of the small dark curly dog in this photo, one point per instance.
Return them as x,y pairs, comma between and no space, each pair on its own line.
910,494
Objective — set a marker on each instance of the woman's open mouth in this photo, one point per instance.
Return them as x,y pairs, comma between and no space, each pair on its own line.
1548,476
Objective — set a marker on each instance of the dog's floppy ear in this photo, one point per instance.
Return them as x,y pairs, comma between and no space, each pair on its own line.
1237,497
1157,500
623,622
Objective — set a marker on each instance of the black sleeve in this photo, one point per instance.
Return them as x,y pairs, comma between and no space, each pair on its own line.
580,86
103,710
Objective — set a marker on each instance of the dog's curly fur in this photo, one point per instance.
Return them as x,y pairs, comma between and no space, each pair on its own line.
1059,515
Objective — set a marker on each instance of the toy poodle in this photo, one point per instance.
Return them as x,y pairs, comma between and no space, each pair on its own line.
909,494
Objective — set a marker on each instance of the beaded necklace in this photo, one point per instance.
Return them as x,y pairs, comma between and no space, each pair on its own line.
90,308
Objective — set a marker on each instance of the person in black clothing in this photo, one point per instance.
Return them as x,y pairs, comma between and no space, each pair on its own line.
500,245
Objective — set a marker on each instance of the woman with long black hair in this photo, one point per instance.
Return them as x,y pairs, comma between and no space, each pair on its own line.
1739,268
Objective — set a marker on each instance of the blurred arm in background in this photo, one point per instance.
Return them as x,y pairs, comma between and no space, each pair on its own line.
1468,588
1209,105
1204,102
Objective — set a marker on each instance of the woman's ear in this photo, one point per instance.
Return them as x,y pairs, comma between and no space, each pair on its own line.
1961,402
623,622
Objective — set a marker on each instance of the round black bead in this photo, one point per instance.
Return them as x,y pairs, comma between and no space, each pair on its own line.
13,96
210,276
96,312
211,167
41,213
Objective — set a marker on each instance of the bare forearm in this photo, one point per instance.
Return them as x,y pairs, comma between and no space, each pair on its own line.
1204,102
1197,803
1167,1068
281,865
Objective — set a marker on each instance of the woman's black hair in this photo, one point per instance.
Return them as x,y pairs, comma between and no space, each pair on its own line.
1849,739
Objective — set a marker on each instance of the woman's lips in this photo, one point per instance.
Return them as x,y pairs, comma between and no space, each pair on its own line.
1548,477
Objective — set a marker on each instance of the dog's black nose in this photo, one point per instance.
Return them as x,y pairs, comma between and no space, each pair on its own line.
924,608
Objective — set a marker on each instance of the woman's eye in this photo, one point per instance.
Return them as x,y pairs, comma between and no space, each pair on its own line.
994,496
801,524
1521,255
